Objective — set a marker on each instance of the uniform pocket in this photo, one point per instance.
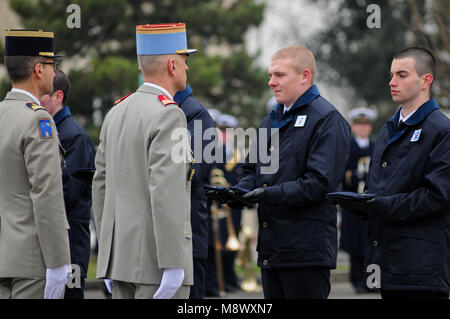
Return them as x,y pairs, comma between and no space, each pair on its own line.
413,254
303,234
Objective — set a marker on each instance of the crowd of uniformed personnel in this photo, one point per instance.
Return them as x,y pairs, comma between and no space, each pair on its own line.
164,215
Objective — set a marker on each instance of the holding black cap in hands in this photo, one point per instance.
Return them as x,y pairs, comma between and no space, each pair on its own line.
234,197
355,203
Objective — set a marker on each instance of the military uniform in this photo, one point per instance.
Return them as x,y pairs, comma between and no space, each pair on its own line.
409,223
297,236
354,230
141,196
141,187
33,223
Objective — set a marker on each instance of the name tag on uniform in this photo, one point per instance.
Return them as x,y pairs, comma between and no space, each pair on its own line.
416,135
301,120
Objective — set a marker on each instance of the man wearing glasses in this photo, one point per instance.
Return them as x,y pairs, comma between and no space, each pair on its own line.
34,243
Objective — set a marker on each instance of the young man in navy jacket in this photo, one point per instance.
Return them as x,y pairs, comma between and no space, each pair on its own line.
297,236
409,221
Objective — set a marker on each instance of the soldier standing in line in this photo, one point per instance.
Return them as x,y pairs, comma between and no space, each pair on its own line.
409,219
141,192
34,243
354,230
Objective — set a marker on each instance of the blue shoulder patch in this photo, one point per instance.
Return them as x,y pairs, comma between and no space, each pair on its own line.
45,128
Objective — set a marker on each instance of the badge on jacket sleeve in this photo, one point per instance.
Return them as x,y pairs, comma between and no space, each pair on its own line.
301,120
45,128
416,135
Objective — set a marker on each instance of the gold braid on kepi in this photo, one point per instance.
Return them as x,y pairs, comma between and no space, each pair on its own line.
29,43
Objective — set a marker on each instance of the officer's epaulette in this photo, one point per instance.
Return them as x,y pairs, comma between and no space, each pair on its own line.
122,98
35,106
165,100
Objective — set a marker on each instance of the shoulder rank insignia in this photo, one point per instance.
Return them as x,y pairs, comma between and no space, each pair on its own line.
35,106
122,98
165,100
45,128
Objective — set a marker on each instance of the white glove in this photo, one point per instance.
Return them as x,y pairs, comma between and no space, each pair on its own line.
171,281
109,285
56,279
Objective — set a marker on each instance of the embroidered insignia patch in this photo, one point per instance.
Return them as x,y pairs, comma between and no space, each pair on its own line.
165,100
45,128
35,106
301,120
122,98
416,135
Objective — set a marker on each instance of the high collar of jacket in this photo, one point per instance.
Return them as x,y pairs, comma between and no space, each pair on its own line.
180,96
61,115
422,112
305,99
280,120
150,89
18,96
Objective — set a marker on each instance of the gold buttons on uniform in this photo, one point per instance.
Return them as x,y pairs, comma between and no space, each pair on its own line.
265,262
375,243
264,185
384,164
265,224
271,148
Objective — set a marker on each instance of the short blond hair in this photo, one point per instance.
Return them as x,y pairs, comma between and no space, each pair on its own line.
301,57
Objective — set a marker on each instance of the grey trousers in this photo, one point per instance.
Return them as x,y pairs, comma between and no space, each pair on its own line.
22,288
128,290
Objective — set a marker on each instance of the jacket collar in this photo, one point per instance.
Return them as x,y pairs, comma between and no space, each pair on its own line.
422,112
34,98
305,99
18,96
61,115
180,96
151,89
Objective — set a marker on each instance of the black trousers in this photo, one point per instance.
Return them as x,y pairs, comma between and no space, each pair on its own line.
399,294
75,293
357,271
296,283
198,289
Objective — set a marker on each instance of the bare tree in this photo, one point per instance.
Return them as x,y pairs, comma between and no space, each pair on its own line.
428,23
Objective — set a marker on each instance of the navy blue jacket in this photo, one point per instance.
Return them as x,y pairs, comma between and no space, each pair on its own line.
80,153
354,230
196,114
297,227
409,227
